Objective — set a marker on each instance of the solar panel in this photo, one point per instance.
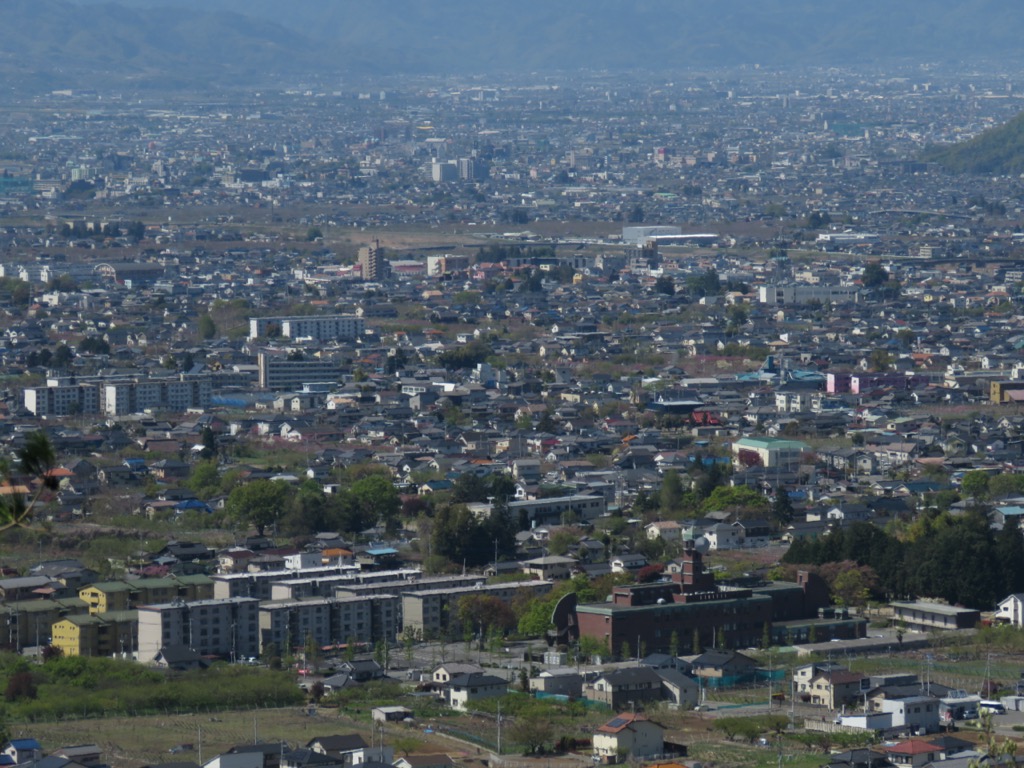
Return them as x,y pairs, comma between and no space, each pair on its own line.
617,722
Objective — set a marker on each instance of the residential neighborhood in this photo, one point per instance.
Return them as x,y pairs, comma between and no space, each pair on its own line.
487,420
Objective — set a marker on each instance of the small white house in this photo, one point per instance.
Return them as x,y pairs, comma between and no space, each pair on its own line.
1011,610
628,734
462,690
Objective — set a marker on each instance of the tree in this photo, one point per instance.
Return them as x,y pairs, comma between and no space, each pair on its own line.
975,484
874,275
205,479
259,503
36,459
209,443
379,500
311,653
782,507
207,327
533,731
671,493
20,685
93,345
666,285
485,612
313,233
1010,556
852,586
879,360
62,356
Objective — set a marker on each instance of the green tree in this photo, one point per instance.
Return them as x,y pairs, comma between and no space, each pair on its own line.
206,326
740,499
259,503
975,484
879,360
874,275
311,653
379,499
782,507
36,458
666,285
671,493
62,356
205,479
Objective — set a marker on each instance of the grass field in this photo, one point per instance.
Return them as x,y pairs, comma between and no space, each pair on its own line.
132,742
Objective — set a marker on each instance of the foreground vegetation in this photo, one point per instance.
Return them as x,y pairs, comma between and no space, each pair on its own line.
78,687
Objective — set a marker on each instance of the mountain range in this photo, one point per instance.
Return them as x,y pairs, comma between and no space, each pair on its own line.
74,43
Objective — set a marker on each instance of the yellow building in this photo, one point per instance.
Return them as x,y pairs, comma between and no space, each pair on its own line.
106,596
109,634
27,623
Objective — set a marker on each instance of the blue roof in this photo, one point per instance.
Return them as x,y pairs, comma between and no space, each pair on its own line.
26,744
381,551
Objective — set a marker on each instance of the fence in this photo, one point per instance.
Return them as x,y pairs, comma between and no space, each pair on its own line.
754,678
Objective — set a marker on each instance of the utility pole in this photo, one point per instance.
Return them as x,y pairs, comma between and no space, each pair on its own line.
499,728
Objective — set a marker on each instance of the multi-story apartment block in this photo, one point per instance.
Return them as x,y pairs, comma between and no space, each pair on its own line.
67,396
227,628
278,372
329,621
62,396
25,623
429,612
315,327
106,596
112,633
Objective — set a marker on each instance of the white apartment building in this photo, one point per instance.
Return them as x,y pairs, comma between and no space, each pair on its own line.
315,327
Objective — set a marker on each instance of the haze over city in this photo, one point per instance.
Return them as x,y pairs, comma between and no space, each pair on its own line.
478,384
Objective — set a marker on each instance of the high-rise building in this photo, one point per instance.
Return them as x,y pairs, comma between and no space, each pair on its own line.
372,264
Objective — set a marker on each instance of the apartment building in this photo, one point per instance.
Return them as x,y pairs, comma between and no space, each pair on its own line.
109,634
228,628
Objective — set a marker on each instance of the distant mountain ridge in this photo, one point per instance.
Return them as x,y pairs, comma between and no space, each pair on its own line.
239,40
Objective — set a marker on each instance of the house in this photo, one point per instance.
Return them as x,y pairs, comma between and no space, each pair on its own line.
88,755
362,670
307,758
628,735
622,687
180,658
445,672
628,563
350,749
558,682
914,753
803,674
463,690
721,536
723,664
1011,610
919,714
680,690
836,688
23,750
424,761
550,567
668,530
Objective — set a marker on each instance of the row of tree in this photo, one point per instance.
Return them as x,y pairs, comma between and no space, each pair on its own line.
957,558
